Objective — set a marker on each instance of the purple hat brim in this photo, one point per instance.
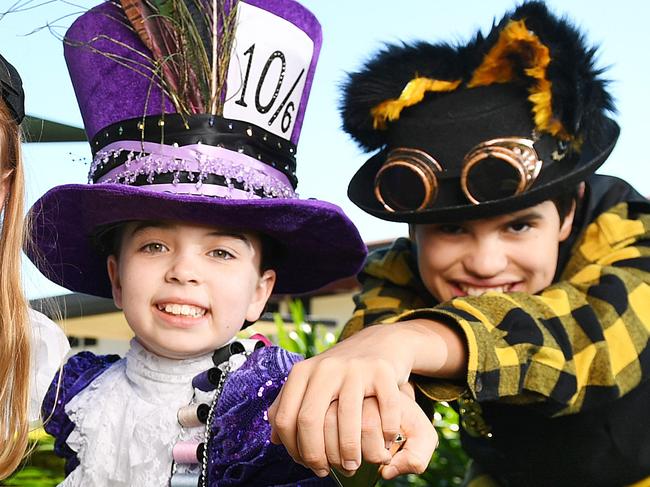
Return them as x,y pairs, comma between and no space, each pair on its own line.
319,243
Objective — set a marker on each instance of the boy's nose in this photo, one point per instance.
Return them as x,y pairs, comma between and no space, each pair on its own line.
487,258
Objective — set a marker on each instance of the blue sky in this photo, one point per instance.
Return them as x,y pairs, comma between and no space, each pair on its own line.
352,30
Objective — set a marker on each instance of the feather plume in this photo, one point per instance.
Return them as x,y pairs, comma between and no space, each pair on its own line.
412,94
190,41
519,52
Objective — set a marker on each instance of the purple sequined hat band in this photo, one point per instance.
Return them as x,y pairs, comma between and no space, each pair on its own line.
201,155
193,169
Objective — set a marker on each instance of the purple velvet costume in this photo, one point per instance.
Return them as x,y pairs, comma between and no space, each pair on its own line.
222,157
240,452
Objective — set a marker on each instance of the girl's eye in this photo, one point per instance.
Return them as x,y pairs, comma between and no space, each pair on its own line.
221,254
154,248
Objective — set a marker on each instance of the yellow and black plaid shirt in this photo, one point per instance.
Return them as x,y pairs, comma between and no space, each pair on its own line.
590,328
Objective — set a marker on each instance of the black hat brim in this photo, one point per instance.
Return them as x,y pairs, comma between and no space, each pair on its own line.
361,187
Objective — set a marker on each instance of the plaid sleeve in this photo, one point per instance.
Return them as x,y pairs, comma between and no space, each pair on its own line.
390,286
581,341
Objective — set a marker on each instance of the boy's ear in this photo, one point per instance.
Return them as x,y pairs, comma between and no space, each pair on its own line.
567,223
114,276
261,296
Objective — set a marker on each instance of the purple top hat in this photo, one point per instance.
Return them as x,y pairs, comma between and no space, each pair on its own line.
193,117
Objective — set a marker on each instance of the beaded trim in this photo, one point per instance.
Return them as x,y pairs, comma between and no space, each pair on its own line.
207,436
209,130
196,168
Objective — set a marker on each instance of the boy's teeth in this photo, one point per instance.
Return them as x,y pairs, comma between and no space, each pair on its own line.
182,309
478,291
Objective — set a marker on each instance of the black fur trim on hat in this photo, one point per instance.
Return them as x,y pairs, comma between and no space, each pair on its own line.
579,96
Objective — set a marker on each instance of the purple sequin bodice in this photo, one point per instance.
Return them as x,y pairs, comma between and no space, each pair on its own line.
239,451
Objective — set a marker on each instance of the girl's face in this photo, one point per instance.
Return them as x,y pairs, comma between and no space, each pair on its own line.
186,289
513,252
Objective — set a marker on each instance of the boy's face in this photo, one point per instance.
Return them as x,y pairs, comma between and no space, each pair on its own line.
513,252
186,289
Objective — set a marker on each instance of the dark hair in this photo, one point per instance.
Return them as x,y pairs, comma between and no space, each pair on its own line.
107,240
271,253
565,201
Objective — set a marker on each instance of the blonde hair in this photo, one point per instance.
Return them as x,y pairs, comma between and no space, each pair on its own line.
15,330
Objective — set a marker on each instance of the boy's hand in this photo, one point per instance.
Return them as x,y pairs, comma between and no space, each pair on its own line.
374,362
418,430
363,365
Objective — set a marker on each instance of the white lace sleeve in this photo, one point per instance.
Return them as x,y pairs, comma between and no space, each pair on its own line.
49,348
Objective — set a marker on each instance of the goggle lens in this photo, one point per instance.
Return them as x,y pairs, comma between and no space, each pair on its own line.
391,186
493,170
492,179
407,168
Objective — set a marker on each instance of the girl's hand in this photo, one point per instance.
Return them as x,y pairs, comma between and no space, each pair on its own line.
375,362
413,457
364,365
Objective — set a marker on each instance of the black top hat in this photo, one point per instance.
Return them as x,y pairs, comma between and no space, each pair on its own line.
502,123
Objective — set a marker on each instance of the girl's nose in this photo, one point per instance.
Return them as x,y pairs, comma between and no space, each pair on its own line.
183,269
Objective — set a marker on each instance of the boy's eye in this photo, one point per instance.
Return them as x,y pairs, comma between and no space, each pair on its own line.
154,248
451,229
221,254
519,227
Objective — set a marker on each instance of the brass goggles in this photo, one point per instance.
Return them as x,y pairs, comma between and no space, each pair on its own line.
493,170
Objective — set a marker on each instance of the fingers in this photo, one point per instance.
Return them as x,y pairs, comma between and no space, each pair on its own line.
284,410
331,433
302,418
413,458
421,441
388,397
372,439
324,386
350,405
332,448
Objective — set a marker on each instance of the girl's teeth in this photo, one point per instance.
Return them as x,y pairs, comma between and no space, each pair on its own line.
182,309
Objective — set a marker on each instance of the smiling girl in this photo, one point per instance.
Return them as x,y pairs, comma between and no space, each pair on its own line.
190,222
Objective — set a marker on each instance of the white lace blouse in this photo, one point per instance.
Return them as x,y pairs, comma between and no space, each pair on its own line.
49,348
125,420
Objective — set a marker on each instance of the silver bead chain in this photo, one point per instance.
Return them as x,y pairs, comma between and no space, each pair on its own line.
206,438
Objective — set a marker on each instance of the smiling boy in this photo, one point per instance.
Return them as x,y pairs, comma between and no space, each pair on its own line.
516,252
522,291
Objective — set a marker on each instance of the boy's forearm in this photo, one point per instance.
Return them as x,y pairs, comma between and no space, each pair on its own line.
438,350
